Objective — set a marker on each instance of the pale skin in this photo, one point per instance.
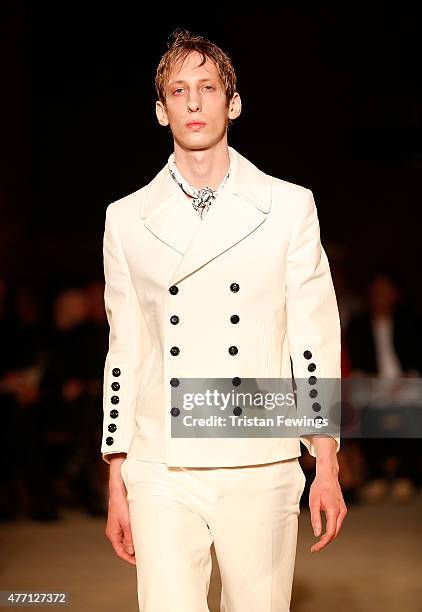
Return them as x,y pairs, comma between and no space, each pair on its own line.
196,93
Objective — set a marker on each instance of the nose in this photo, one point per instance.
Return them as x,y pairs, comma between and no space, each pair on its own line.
194,103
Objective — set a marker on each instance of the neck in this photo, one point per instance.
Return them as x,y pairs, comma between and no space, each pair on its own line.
205,167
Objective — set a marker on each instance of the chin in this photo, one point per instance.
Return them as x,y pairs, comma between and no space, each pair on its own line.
198,142
194,144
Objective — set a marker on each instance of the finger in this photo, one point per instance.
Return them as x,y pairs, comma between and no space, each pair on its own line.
128,546
120,552
315,517
127,539
323,541
331,522
340,519
119,548
331,516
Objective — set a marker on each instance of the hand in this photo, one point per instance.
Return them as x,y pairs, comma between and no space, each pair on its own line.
118,529
325,494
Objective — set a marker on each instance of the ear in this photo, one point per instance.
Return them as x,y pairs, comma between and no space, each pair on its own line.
235,106
161,113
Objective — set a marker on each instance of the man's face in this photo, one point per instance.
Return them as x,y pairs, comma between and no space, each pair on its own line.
196,94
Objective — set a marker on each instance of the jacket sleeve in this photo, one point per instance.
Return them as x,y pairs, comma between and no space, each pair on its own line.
121,369
313,323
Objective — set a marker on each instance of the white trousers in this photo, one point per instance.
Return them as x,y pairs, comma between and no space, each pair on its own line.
249,512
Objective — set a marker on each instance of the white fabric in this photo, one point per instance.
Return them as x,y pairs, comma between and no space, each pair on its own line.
249,513
258,255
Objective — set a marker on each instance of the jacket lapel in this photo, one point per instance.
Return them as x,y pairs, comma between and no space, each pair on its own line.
239,209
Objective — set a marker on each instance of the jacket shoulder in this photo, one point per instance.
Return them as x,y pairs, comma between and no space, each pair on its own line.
290,197
286,188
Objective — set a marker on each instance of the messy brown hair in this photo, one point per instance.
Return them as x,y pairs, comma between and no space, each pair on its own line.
180,43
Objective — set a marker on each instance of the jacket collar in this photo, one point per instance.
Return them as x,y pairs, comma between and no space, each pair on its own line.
239,209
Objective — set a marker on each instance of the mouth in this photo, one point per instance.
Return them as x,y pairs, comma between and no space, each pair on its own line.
195,124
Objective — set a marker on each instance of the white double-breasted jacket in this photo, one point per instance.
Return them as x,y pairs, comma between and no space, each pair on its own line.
174,280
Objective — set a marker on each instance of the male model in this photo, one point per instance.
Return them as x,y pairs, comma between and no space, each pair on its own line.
213,270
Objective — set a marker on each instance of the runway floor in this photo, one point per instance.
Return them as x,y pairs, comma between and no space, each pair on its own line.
374,565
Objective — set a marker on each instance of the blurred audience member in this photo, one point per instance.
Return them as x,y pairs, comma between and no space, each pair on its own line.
69,388
86,466
384,341
26,484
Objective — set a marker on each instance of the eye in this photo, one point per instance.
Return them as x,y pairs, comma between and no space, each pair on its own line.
179,89
209,87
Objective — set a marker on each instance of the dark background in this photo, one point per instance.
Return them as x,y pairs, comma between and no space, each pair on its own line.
331,100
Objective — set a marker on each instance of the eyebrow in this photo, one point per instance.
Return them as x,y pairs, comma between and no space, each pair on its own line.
199,80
